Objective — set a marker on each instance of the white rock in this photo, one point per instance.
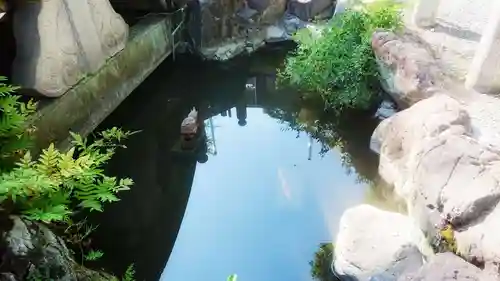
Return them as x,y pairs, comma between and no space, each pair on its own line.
373,242
447,266
481,242
402,133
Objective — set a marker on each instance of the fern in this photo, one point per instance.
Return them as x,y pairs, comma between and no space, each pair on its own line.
129,274
94,255
15,133
44,189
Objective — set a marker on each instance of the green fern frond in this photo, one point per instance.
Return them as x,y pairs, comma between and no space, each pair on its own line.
129,273
94,255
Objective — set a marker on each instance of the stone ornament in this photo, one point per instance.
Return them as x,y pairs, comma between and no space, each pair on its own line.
61,41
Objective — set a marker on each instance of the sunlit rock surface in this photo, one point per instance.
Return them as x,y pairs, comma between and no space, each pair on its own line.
429,155
447,266
374,242
61,41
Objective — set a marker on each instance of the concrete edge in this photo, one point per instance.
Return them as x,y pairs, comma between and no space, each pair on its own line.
89,102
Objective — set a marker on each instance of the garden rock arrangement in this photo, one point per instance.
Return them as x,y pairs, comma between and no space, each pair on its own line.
431,156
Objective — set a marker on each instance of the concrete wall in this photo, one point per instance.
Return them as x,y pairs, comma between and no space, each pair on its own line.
84,106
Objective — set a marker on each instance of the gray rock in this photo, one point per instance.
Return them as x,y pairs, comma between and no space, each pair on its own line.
408,67
447,266
386,110
60,41
34,250
400,135
233,27
308,9
376,242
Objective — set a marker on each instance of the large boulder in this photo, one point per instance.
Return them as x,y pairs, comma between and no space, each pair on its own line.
407,65
31,251
397,137
61,41
447,266
373,242
429,154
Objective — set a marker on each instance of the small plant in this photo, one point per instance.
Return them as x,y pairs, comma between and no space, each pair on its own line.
448,239
94,255
56,185
129,274
15,133
338,64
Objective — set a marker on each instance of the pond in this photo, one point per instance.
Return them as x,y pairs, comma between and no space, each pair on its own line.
278,176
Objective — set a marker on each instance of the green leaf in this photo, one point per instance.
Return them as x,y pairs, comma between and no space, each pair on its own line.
94,255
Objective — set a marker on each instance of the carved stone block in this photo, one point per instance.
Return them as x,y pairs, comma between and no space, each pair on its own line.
61,41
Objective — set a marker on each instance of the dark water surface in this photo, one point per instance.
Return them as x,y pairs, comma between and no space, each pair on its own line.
269,193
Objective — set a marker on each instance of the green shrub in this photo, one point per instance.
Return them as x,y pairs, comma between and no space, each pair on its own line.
339,63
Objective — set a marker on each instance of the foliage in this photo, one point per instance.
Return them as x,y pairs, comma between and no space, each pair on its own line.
339,64
45,189
94,255
15,134
232,277
129,274
56,185
321,265
448,239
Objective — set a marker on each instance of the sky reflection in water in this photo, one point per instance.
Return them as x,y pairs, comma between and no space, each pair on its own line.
259,208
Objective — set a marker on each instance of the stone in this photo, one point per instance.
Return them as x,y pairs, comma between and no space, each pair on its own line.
480,242
431,157
399,135
408,67
455,176
189,125
376,242
111,28
385,110
33,250
61,41
308,9
233,27
446,266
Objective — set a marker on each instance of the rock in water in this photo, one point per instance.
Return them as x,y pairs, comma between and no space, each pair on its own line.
189,125
374,242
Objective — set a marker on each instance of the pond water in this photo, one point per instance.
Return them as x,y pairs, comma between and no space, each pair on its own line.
272,189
